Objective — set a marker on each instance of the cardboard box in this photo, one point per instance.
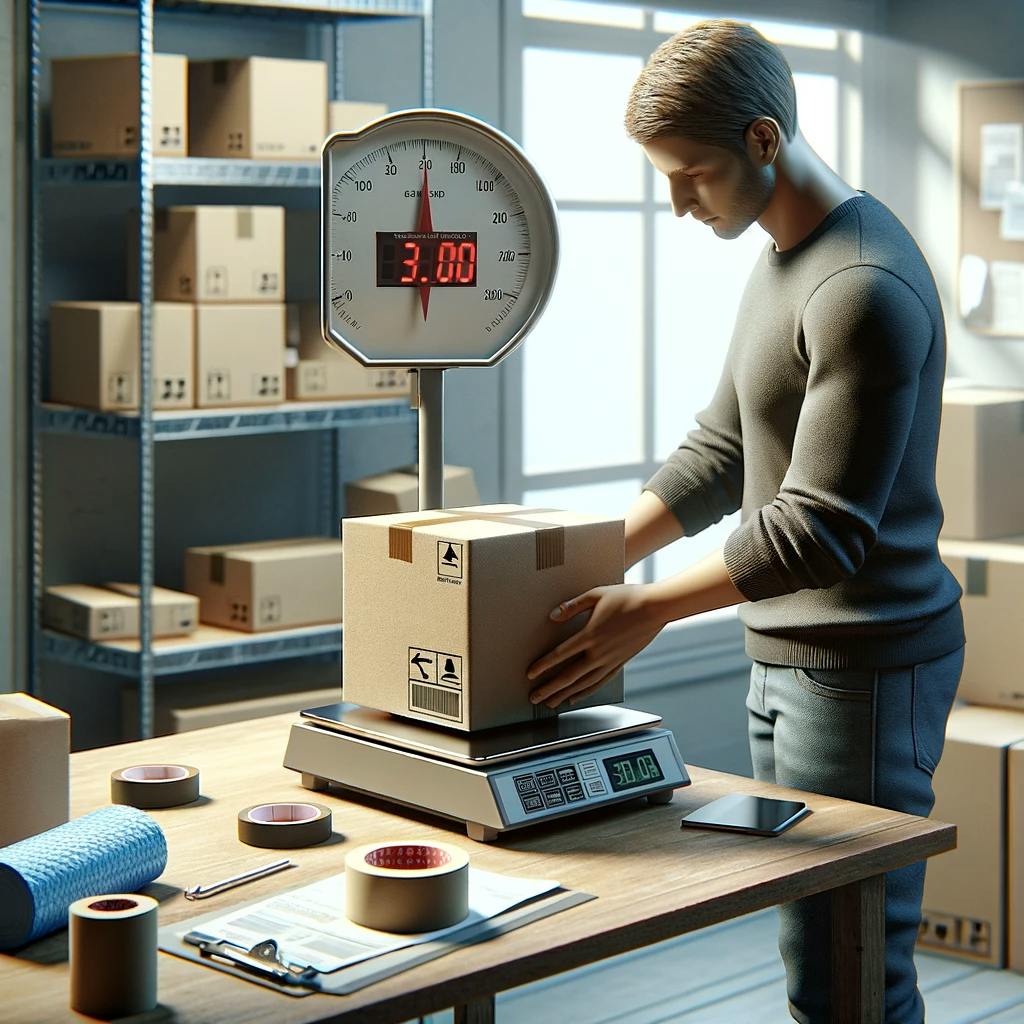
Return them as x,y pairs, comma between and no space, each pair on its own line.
94,355
260,108
94,106
1015,854
991,575
965,893
239,355
174,613
398,490
980,466
346,116
267,585
35,740
218,254
446,609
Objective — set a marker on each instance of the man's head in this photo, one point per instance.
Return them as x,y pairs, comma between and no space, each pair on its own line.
712,109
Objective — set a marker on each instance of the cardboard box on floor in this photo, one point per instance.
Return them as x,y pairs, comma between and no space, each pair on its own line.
349,116
261,108
239,355
323,372
94,106
965,894
267,585
398,491
103,613
991,575
980,466
217,254
94,355
445,610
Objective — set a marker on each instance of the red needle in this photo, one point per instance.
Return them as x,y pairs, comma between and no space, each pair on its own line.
425,224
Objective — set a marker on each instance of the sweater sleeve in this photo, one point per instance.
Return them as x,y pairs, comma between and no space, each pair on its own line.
702,480
867,335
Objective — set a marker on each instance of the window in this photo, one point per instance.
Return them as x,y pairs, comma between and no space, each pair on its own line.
632,344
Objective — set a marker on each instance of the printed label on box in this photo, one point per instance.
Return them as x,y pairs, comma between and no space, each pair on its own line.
434,668
218,385
314,377
270,610
266,385
449,559
111,620
239,612
171,389
265,282
216,280
389,380
121,388
435,700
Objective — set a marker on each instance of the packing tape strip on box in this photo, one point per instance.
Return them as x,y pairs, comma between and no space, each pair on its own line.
284,826
407,887
151,786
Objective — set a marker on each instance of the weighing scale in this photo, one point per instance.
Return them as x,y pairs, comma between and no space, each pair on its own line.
439,250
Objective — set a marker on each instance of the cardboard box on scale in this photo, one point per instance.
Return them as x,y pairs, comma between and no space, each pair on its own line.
445,610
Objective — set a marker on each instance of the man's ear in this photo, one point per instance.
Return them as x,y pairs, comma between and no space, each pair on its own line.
763,139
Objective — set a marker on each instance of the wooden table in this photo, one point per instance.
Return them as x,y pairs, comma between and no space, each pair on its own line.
652,879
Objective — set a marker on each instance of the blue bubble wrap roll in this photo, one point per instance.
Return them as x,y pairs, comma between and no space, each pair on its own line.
114,849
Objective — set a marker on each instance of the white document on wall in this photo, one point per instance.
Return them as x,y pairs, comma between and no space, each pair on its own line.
1006,279
1002,162
1011,223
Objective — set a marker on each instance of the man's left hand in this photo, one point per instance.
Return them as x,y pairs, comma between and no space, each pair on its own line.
623,620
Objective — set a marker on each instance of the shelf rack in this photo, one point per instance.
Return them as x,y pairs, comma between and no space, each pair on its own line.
144,660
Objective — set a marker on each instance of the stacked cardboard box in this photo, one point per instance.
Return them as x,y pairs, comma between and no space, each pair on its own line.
111,612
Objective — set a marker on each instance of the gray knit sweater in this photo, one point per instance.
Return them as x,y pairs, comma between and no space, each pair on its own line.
824,429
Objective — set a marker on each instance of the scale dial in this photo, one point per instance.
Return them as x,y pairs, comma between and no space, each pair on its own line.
440,242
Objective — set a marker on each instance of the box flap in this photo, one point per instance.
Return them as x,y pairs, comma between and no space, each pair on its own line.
91,597
21,706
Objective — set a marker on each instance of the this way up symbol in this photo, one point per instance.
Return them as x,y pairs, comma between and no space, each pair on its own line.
426,661
450,558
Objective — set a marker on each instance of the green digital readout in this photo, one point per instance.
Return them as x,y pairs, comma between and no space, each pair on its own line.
635,769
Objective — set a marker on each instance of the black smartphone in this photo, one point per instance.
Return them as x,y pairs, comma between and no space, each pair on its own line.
758,815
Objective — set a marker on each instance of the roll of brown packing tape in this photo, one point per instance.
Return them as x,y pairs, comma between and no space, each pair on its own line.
284,826
407,887
151,786
112,945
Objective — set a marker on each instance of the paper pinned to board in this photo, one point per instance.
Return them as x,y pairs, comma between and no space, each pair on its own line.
1002,162
1007,286
1011,223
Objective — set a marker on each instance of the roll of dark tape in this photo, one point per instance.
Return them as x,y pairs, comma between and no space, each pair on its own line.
151,786
284,826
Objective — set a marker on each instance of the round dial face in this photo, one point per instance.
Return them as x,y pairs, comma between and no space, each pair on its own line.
440,242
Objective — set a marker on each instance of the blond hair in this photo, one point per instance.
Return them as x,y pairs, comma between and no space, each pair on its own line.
708,83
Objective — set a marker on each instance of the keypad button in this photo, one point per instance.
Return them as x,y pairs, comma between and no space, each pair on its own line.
589,770
526,783
567,775
547,780
596,787
553,797
575,792
532,802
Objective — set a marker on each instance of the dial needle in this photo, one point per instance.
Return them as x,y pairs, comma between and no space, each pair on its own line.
425,224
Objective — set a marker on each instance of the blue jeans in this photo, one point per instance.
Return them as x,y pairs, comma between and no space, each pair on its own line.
874,736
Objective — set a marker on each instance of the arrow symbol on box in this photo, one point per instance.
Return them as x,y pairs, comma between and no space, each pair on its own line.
418,659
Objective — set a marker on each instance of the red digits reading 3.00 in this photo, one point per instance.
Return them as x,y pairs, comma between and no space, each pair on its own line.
445,262
413,264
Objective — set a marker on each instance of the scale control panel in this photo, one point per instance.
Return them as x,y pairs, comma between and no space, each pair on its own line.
589,777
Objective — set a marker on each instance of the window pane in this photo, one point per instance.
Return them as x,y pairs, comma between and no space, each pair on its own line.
607,499
573,105
699,279
817,108
782,32
583,364
622,15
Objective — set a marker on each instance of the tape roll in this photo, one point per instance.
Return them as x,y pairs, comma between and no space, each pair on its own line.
150,786
112,945
407,887
284,826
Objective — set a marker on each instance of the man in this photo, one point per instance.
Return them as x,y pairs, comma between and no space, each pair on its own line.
824,429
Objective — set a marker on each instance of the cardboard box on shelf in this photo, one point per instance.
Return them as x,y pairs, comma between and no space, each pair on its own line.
94,106
980,466
239,355
261,108
1015,854
398,491
445,610
267,585
35,741
349,116
991,575
94,355
965,894
174,613
218,254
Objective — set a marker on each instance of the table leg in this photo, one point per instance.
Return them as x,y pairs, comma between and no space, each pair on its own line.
858,951
477,1011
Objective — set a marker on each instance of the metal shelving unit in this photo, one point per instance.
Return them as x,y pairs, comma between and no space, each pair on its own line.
144,660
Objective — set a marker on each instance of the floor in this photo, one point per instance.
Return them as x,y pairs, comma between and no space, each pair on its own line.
731,974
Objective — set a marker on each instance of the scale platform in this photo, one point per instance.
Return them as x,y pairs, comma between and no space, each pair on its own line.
491,781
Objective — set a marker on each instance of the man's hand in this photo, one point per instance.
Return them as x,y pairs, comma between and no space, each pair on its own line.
623,620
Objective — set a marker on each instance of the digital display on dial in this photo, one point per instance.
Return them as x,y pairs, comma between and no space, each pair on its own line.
436,259
635,769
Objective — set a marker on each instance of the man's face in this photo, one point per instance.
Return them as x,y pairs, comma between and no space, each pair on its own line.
721,187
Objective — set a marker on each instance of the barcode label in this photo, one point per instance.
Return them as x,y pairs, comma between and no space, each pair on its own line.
435,700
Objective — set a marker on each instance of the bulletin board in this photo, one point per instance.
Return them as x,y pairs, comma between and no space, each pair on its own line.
990,166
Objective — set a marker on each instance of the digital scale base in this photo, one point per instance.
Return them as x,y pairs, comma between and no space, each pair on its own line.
495,781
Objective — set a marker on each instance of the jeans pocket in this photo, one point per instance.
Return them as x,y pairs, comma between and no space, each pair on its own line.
934,690
837,683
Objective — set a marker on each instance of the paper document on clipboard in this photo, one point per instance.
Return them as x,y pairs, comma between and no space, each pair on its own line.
310,926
